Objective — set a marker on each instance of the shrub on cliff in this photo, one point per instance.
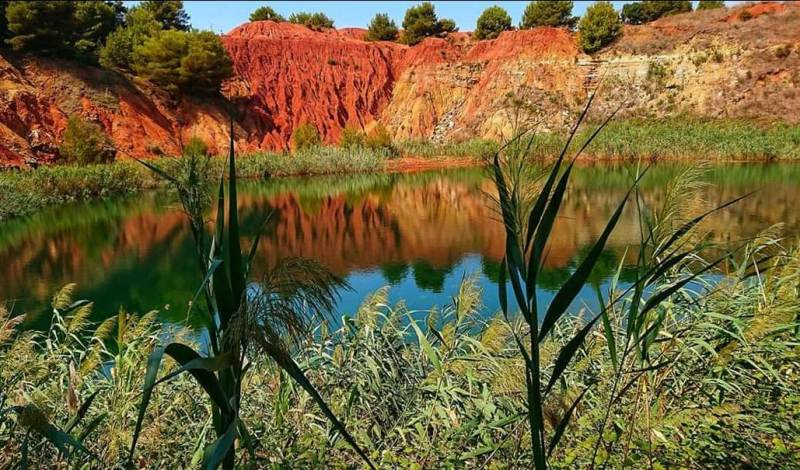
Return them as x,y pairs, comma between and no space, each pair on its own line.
305,136
421,22
651,10
169,13
599,26
316,21
84,142
351,137
633,13
183,61
382,28
140,24
548,13
710,4
493,21
379,138
266,13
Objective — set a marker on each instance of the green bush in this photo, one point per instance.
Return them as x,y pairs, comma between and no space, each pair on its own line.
379,138
599,27
351,137
305,136
651,10
266,13
169,13
195,146
710,4
548,13
493,21
316,21
420,22
382,28
140,24
183,61
633,13
85,143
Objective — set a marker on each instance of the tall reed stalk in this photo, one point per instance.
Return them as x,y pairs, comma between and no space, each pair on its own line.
245,319
528,224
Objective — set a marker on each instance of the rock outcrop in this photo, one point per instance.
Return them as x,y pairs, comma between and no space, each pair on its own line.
714,63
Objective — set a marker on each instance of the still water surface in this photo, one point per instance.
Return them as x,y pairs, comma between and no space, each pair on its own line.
419,233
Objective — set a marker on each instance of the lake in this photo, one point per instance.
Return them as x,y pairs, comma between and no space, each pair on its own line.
419,233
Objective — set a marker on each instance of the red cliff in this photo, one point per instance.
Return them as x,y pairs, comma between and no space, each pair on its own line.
709,62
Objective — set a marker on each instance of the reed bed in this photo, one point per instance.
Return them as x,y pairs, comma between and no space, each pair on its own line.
448,392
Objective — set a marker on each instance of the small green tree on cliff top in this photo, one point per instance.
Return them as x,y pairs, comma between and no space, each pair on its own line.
599,27
266,13
316,21
382,28
72,29
651,10
140,24
183,61
493,21
169,13
421,22
548,13
710,4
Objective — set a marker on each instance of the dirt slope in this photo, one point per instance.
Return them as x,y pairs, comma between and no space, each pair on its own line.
709,63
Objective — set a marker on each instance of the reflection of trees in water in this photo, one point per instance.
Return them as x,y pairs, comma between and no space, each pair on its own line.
395,272
131,249
428,277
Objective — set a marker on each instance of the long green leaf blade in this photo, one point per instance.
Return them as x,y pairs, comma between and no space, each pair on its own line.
216,452
235,265
186,356
153,364
291,367
567,293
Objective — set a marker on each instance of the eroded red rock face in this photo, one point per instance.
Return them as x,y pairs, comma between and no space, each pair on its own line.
440,89
287,75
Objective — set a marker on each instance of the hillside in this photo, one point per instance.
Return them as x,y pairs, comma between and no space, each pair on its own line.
708,63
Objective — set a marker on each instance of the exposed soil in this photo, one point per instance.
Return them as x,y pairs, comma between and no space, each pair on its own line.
708,63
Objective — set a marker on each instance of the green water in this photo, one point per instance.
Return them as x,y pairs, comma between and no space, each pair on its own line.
419,233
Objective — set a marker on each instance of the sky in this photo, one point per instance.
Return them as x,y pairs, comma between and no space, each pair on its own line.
222,16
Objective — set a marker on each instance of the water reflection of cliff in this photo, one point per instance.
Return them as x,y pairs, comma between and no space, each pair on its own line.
137,252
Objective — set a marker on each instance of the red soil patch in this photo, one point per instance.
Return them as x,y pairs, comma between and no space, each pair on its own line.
533,43
412,164
757,10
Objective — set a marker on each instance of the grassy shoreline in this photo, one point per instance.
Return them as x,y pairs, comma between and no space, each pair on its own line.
717,140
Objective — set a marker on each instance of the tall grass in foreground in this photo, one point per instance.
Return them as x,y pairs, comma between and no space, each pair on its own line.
244,320
664,249
450,397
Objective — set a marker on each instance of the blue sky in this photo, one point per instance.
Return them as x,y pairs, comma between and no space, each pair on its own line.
222,16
